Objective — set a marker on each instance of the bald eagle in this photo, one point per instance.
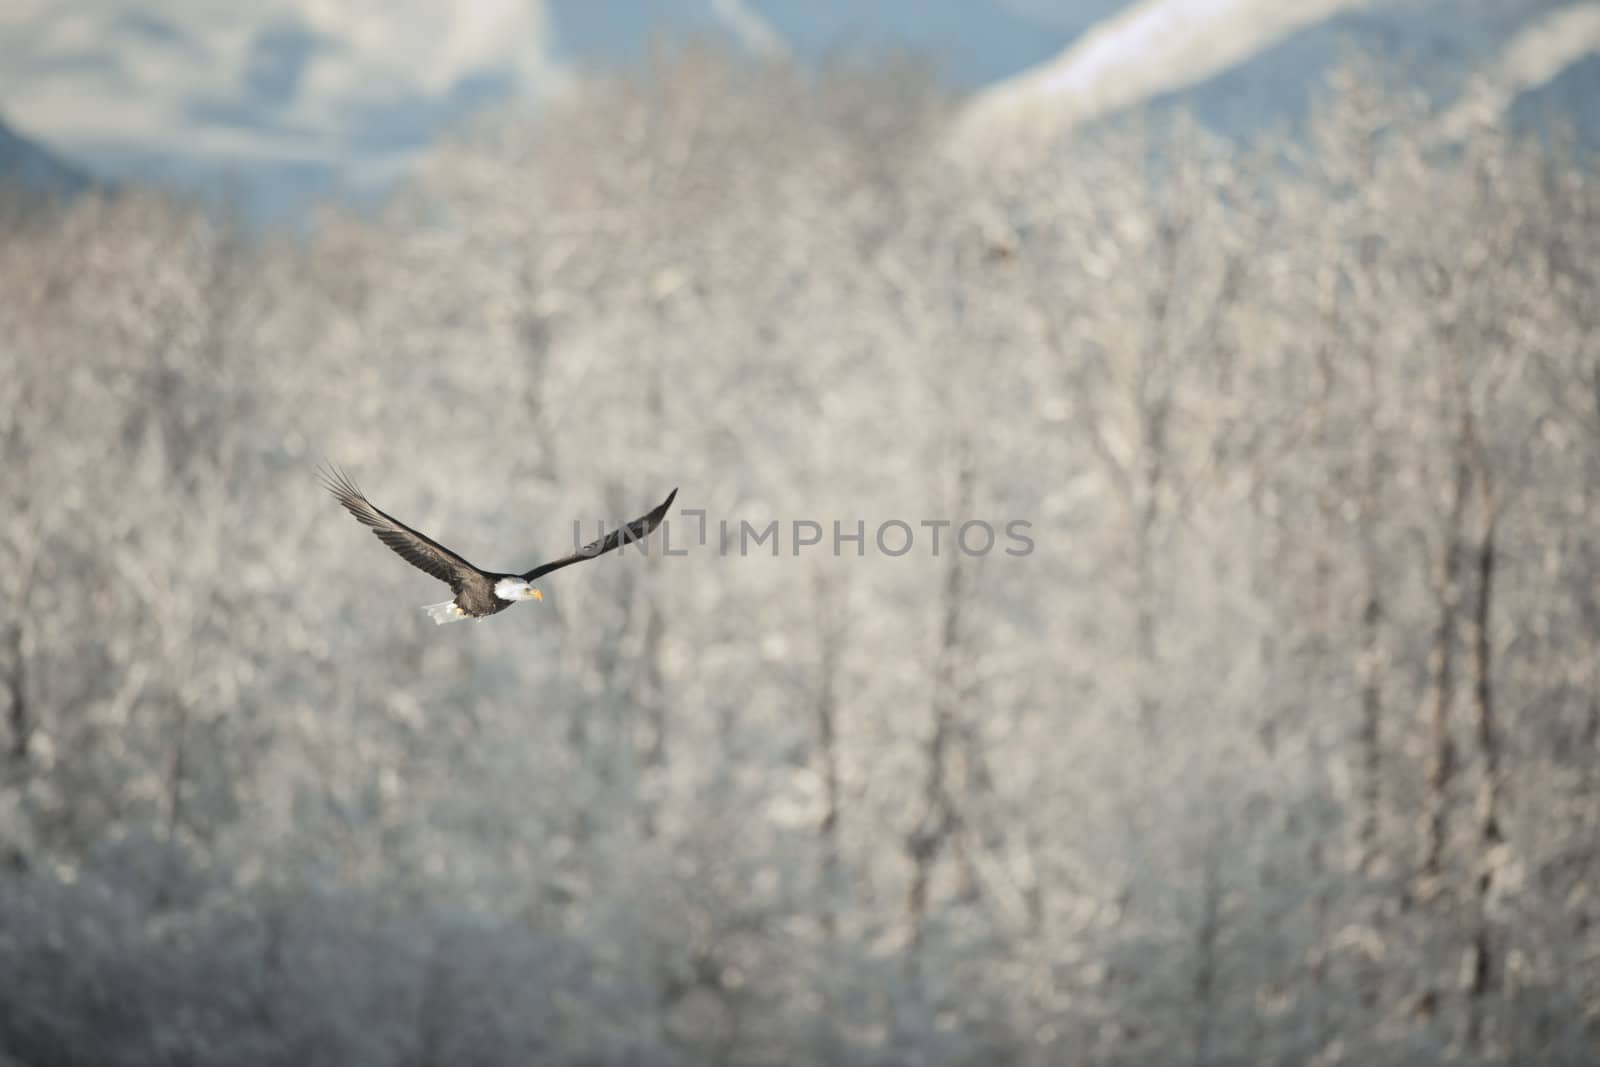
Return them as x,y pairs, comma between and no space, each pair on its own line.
478,593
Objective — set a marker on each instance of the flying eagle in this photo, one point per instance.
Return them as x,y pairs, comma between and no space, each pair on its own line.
478,593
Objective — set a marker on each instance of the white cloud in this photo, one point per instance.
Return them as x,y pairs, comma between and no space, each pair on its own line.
1533,57
431,44
753,31
155,76
1152,47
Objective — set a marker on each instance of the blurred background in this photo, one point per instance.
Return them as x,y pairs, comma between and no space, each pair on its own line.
1279,323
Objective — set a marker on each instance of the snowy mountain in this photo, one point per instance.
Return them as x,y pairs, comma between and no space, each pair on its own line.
282,100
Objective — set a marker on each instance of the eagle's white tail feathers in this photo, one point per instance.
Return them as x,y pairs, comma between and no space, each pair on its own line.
446,612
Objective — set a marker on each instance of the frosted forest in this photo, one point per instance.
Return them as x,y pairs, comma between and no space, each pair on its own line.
1280,747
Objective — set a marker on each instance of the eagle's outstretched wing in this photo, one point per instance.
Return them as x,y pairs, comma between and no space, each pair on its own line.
636,530
416,549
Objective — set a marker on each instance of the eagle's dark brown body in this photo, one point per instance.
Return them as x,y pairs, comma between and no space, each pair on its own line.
478,593
476,597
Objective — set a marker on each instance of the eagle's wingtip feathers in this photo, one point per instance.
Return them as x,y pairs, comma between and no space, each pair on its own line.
336,481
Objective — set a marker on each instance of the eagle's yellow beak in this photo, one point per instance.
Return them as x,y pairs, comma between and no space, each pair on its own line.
535,594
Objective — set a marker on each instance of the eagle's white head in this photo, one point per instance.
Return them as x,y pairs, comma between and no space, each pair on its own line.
516,589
